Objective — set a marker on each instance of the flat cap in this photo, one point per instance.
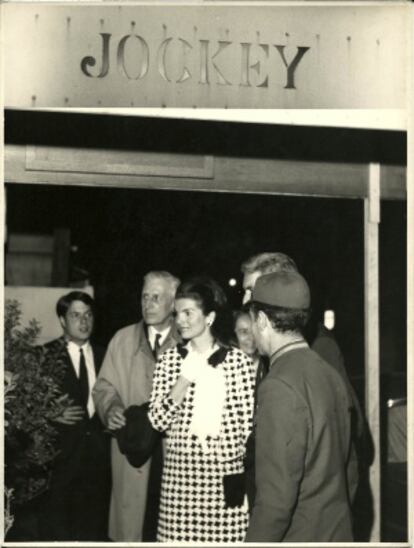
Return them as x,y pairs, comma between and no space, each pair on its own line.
285,289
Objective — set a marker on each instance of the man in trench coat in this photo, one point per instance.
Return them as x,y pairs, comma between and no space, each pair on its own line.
126,379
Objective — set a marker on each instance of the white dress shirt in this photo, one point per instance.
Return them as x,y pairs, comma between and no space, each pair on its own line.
74,353
152,333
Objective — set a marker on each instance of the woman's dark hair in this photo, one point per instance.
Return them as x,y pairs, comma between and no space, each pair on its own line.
64,302
283,319
238,313
210,297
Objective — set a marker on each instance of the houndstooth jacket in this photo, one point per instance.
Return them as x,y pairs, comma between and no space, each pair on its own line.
173,419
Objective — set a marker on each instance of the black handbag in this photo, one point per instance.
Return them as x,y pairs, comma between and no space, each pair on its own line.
138,439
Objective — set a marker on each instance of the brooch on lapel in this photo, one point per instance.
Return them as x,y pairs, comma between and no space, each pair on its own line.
218,356
214,360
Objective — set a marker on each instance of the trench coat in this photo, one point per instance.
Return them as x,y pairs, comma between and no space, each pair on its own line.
125,379
303,440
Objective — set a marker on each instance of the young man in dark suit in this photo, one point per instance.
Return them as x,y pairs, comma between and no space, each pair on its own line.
76,505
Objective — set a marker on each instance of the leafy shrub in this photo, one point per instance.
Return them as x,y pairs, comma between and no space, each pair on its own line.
32,380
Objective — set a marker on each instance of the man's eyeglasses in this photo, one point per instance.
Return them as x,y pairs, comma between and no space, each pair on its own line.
150,298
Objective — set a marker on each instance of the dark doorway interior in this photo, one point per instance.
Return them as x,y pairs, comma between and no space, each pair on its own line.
117,235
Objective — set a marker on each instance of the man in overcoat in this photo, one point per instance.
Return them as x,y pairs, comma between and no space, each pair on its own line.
77,502
303,431
126,379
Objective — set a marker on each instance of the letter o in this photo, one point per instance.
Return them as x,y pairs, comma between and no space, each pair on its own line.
121,56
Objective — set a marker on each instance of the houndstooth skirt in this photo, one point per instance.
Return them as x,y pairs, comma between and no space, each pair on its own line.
192,507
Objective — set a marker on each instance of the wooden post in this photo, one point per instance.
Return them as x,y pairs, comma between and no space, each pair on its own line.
372,356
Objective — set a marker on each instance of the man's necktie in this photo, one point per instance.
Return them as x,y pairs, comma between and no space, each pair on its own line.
83,378
157,345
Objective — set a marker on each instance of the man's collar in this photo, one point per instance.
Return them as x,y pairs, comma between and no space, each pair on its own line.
74,346
152,331
288,347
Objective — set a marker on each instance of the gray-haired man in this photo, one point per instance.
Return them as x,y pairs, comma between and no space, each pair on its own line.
126,379
264,263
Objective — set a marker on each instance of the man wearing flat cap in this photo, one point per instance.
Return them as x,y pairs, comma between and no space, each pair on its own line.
303,432
252,268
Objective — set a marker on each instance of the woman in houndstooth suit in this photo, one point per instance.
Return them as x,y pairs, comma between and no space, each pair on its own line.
202,398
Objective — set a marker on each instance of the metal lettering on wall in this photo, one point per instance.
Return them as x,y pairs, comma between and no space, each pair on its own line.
281,57
208,62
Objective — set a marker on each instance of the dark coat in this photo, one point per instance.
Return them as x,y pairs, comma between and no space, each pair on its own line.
302,448
326,346
72,438
262,370
76,504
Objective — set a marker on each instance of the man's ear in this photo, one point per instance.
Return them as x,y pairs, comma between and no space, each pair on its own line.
262,320
172,308
62,322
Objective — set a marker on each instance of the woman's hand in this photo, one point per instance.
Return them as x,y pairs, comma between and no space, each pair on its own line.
179,389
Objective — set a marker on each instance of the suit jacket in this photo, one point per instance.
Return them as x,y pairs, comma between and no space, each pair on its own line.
236,421
303,439
126,379
73,438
